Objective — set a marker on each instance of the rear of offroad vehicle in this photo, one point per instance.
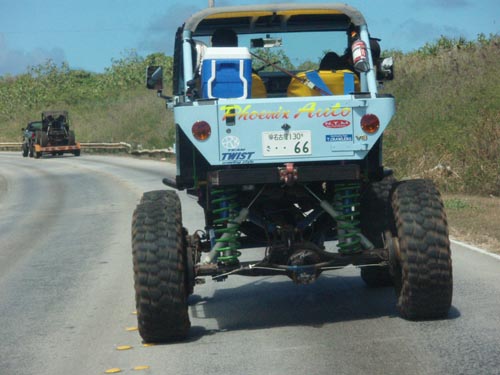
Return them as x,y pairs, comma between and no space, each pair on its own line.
55,136
285,159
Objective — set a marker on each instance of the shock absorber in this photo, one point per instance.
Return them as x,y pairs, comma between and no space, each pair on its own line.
226,229
348,230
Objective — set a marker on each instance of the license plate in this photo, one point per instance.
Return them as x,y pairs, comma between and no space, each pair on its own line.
286,143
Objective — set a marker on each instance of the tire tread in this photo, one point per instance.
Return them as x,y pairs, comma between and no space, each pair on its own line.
426,287
159,268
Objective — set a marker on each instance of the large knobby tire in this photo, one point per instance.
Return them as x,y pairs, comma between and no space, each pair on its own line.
376,218
25,150
158,247
425,286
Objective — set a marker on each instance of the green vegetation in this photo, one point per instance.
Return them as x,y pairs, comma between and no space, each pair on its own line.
109,107
447,125
456,204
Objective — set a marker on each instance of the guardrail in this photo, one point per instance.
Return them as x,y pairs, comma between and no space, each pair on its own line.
100,146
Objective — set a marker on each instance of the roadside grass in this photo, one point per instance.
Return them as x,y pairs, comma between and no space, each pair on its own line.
136,116
447,122
139,118
474,220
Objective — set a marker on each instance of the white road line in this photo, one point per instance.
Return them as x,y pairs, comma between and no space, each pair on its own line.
477,249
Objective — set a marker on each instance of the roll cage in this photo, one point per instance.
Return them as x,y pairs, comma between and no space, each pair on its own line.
261,19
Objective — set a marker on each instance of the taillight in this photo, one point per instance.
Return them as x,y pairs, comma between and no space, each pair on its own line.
32,135
201,130
370,123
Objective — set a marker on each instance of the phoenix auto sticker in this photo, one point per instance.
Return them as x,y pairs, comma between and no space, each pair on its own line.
309,110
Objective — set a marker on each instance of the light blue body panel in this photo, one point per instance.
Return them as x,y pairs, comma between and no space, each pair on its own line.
280,130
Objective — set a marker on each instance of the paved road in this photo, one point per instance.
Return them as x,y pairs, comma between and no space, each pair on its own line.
66,294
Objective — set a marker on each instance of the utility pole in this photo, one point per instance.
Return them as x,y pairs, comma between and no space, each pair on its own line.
211,3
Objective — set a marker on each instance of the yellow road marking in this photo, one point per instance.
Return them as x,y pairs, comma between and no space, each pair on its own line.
113,370
123,347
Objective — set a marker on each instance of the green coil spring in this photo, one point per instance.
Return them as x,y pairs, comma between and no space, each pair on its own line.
225,208
348,228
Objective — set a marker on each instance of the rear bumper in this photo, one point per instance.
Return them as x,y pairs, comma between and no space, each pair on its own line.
39,148
283,175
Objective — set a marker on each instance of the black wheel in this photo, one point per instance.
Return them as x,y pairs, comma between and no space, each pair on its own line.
32,150
25,150
38,155
76,152
38,137
425,286
71,138
376,218
189,244
44,139
159,256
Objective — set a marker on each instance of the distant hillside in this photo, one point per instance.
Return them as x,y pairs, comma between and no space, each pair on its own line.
447,125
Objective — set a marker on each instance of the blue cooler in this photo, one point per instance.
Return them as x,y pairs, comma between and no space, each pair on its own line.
226,72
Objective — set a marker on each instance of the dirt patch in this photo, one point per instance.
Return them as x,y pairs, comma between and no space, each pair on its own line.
474,220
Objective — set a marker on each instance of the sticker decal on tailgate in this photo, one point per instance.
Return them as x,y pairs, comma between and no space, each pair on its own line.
309,110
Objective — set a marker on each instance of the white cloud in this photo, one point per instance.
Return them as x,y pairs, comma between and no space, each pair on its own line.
413,34
160,33
13,61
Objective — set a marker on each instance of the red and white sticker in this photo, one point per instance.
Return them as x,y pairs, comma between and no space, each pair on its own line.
336,124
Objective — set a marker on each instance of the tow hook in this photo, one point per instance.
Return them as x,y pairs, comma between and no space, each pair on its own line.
288,174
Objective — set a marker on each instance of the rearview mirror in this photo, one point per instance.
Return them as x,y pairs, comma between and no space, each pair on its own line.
154,78
266,42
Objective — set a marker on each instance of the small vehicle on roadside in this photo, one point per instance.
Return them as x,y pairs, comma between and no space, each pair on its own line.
286,158
55,137
29,134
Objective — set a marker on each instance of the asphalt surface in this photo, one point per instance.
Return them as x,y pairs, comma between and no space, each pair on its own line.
67,300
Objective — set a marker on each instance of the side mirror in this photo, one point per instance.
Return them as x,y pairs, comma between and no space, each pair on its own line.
154,78
385,69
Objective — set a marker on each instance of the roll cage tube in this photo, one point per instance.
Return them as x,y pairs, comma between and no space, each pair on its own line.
370,75
368,79
188,58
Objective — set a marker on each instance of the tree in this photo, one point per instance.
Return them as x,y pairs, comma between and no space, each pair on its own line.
267,58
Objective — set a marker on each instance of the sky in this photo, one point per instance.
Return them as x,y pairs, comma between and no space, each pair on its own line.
90,34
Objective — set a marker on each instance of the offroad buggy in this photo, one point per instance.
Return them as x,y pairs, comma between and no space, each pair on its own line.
29,138
297,170
55,137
